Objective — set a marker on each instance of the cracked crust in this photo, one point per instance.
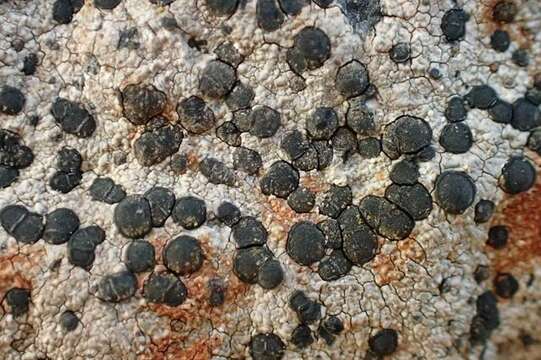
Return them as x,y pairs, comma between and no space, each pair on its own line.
422,286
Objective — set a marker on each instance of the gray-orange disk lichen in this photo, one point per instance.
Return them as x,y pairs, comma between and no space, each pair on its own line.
267,179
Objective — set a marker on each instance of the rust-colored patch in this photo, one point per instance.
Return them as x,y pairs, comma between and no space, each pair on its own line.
17,267
391,267
175,350
196,311
193,160
314,183
522,216
518,33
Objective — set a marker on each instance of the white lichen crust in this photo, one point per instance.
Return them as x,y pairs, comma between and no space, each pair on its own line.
422,286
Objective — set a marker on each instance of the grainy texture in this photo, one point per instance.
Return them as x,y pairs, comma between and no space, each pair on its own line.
416,298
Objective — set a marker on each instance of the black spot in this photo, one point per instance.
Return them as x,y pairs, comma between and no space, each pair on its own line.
359,118
195,116
307,161
161,202
128,39
243,120
505,285
249,231
12,100
69,160
25,226
302,336
481,273
265,122
63,10
456,111
487,318
217,172
352,79
132,216
324,154
228,213
344,140
482,97
435,73
69,173
456,138
222,7
69,321
154,146
406,135
217,79
534,141
501,112
520,57
497,236
533,95
217,289
360,244
323,3
405,172
183,255
247,160
60,224
302,200
454,191
240,97
30,63
311,48
500,40
294,144
190,212
333,324
334,266
400,53
504,11
105,190
268,14
267,346
322,124
18,300
386,218
179,163
413,199
305,243
362,14
117,287
141,103
73,118
518,175
335,200
308,311
228,53
12,152
270,274
292,7
7,176
453,24
140,256
248,261
384,342
280,180
483,211
369,147
82,244
333,236
106,4
526,115
164,288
